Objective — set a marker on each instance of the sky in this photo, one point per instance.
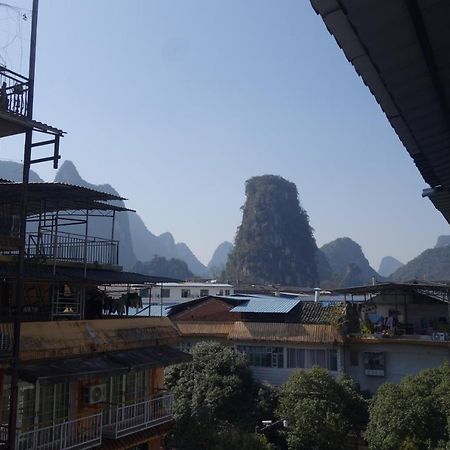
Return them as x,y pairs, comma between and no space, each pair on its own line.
176,103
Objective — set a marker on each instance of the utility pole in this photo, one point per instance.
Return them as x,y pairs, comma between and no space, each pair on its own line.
12,425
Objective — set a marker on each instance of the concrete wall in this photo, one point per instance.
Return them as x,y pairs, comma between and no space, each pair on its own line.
400,360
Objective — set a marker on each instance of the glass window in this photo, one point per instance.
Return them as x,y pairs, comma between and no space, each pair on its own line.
184,346
332,359
296,358
53,403
354,359
227,292
204,292
185,293
165,293
261,356
374,364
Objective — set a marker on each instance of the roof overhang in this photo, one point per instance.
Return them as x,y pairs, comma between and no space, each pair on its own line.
401,50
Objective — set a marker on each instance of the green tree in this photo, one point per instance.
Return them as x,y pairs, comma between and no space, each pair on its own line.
414,414
214,394
320,410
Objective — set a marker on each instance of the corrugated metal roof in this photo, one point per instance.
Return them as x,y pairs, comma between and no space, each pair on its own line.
266,304
40,340
285,332
400,50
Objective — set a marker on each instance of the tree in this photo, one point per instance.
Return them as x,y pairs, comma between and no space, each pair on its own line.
214,394
320,410
414,414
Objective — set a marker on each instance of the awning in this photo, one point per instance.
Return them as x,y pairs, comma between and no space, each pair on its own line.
146,358
114,363
68,369
77,275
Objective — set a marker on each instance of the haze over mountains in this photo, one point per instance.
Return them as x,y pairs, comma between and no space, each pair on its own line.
337,263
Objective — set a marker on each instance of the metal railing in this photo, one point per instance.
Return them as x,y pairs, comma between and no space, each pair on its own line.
82,433
127,419
13,92
72,247
3,434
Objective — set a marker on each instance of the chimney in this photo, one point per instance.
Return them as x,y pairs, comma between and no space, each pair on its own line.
316,295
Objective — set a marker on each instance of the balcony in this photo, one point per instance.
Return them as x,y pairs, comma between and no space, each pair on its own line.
69,247
76,434
128,419
13,92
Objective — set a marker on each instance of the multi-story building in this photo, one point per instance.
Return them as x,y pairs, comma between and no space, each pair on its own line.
69,377
374,333
170,293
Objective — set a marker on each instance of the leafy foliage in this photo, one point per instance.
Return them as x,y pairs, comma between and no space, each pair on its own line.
415,414
214,395
160,266
320,410
274,243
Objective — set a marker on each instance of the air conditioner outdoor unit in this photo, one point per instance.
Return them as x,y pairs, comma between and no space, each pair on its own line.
95,394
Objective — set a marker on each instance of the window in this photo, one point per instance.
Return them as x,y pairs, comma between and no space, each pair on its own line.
354,358
53,402
374,364
227,292
204,292
260,356
306,358
221,292
185,293
165,293
184,346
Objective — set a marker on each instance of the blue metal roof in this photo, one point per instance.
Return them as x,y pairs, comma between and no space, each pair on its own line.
265,304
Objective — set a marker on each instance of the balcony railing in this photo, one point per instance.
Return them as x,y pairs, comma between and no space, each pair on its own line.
78,434
13,92
129,419
72,247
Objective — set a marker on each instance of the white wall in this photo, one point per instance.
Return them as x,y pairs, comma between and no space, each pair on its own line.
400,360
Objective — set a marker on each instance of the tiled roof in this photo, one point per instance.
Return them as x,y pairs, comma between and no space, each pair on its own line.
312,312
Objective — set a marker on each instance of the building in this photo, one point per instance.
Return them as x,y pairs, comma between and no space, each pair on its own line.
400,329
72,376
367,332
86,379
170,293
278,335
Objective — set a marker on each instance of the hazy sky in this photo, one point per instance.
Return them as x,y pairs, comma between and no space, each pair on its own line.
177,102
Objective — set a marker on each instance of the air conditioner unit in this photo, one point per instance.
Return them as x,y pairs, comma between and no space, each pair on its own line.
95,394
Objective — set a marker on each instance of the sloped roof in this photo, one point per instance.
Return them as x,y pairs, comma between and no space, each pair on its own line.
204,329
311,312
51,197
266,304
401,51
285,332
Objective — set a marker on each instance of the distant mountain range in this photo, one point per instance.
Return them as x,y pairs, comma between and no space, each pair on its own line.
137,243
347,265
338,263
388,266
219,259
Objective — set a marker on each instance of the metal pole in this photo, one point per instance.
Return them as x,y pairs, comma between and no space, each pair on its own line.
12,424
86,231
161,299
